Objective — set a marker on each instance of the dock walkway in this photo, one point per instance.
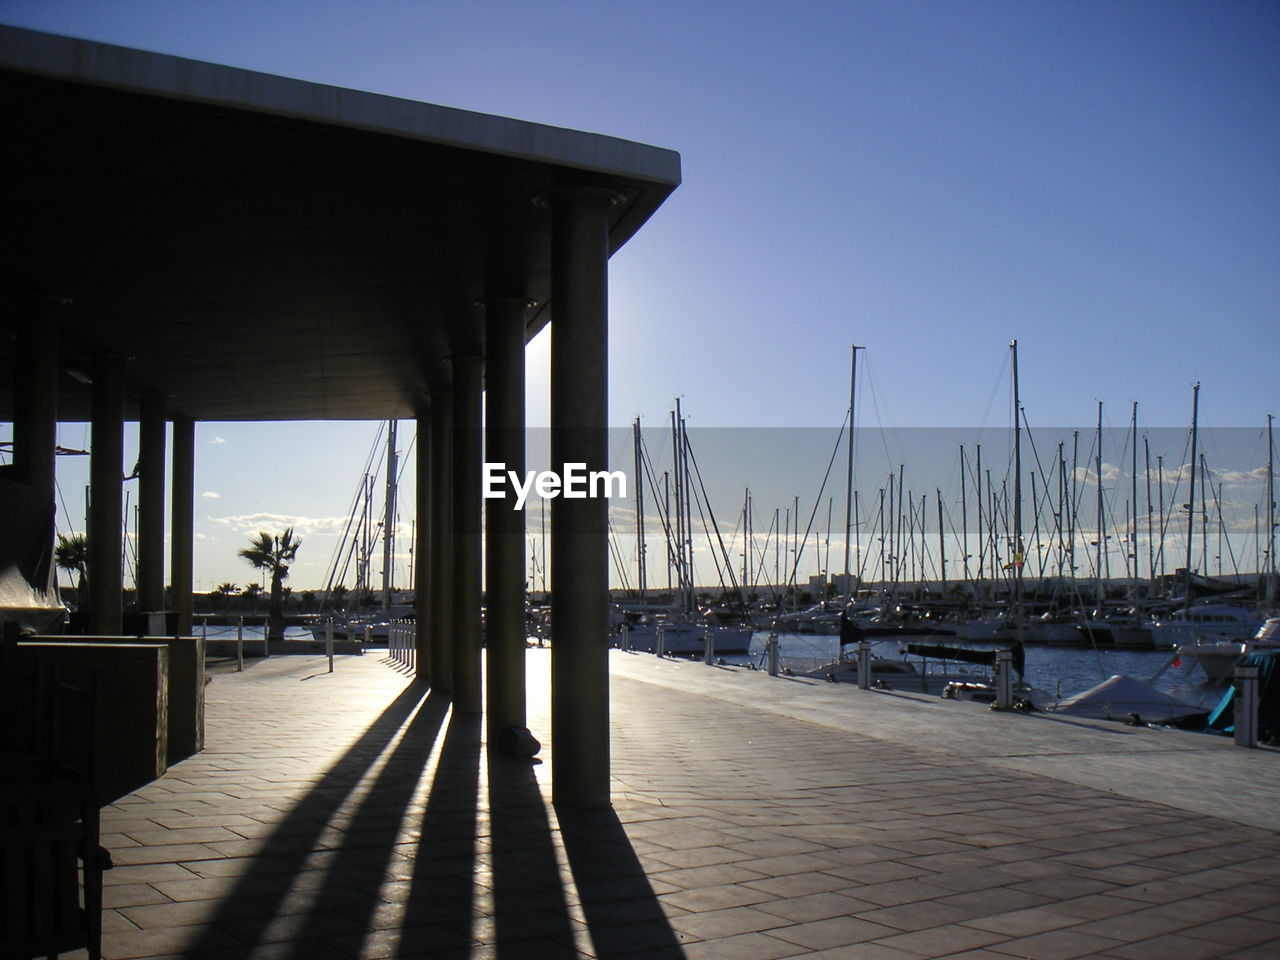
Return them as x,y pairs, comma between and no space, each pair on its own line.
345,815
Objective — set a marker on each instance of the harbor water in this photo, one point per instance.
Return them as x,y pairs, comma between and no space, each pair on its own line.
1061,671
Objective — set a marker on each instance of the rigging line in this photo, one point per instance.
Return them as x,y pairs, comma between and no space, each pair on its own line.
1217,502
657,500
335,559
1173,494
873,387
762,556
617,557
995,389
742,600
795,570
698,501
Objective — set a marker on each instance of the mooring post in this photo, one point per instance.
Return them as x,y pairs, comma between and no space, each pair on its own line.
240,644
1246,706
1004,680
328,642
660,644
709,656
864,665
771,650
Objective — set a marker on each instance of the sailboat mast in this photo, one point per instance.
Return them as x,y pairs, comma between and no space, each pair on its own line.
1133,537
1102,515
642,566
848,488
389,519
1271,517
964,518
1191,506
1018,552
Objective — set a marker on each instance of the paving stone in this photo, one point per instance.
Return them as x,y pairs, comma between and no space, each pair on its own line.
346,816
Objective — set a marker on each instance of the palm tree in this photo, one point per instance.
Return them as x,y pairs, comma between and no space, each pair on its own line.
274,554
72,555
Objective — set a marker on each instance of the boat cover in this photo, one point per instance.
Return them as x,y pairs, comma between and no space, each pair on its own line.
1224,715
1119,696
986,658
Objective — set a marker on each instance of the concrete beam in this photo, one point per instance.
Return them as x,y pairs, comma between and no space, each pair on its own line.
35,392
106,479
467,453
504,524
422,597
579,527
151,459
182,520
441,612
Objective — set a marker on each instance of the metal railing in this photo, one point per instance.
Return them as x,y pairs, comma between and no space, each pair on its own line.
401,644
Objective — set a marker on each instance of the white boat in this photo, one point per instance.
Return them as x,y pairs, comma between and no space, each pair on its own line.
1218,658
1124,698
1210,622
1056,630
374,628
684,637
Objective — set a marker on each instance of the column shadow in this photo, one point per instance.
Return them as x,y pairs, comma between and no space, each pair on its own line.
621,910
257,897
440,893
531,912
355,878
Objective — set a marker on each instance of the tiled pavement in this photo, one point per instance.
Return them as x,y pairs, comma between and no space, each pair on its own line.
345,815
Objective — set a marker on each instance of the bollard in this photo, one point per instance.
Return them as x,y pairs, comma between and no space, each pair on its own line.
1246,706
204,629
626,638
240,644
368,634
328,642
266,638
864,665
1004,680
709,657
660,644
771,650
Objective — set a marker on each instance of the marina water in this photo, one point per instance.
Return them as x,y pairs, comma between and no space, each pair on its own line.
1061,671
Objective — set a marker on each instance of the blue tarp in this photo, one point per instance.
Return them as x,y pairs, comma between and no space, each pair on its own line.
1223,717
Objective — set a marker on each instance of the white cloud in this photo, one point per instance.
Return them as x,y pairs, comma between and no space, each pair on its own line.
251,523
211,495
217,440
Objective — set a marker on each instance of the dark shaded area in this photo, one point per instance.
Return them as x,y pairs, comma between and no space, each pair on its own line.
618,902
440,896
341,250
1223,717
354,877
531,912
290,845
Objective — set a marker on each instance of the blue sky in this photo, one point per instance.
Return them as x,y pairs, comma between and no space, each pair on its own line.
1097,179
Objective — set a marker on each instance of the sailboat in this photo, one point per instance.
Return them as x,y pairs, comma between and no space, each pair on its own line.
361,538
680,628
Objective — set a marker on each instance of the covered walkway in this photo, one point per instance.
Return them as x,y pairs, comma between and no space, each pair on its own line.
752,818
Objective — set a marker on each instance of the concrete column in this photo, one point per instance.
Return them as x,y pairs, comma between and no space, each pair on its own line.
504,524
151,444
35,392
579,527
106,482
467,453
422,598
182,519
441,611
